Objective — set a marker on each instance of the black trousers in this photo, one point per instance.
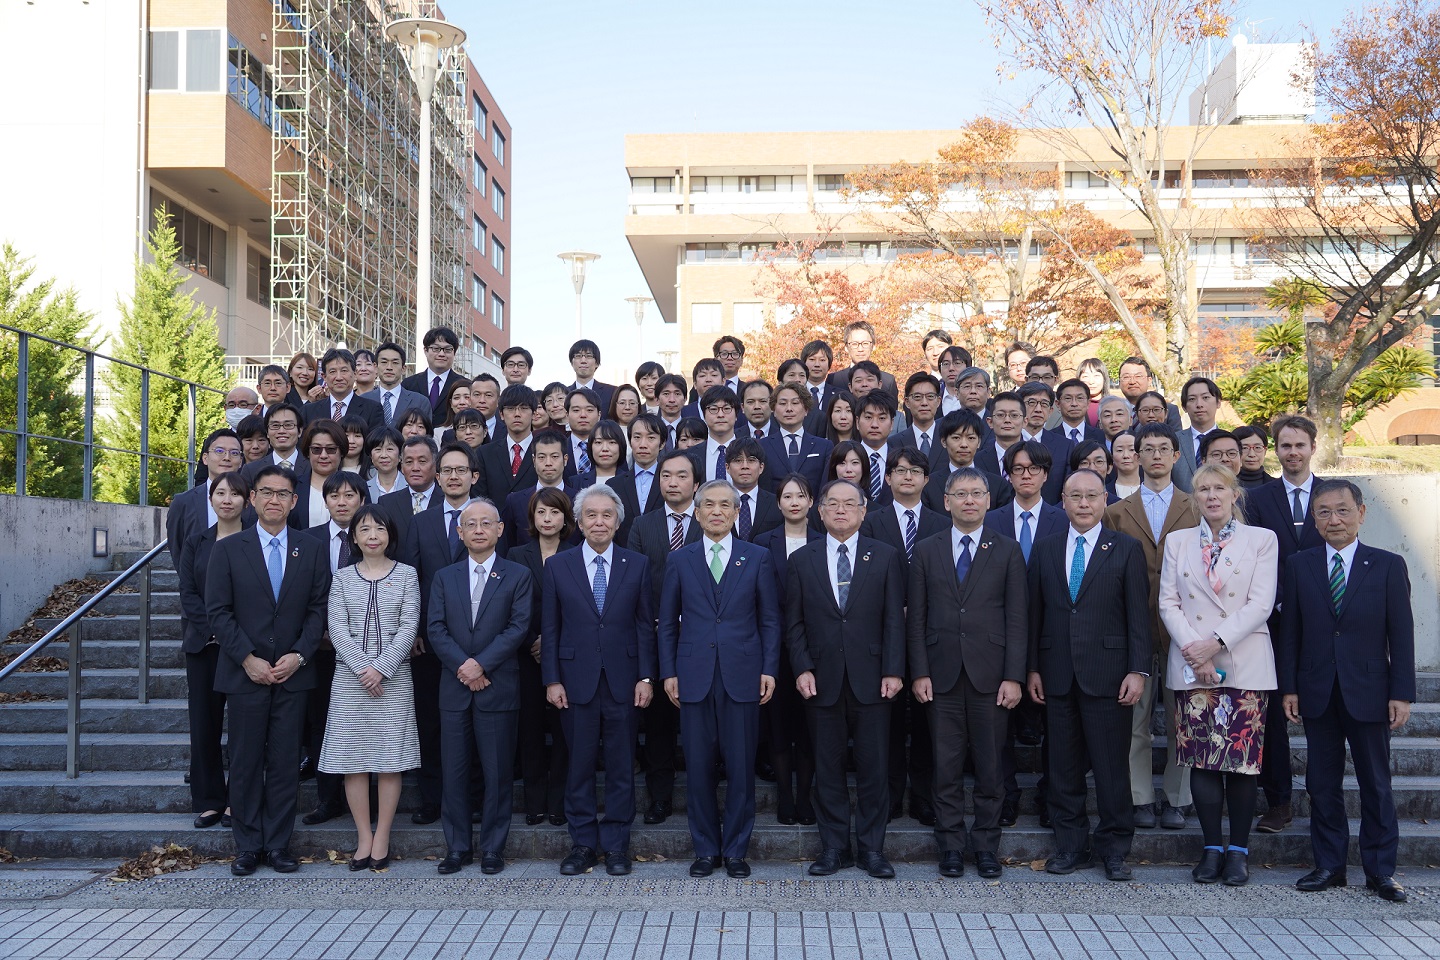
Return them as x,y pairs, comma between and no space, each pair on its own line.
542,770
425,676
1090,734
1326,736
967,724
207,725
586,725
329,787
910,749
1276,777
1026,713
661,722
265,732
831,728
491,734
719,728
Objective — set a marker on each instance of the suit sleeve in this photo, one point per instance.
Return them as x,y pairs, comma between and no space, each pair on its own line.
397,651
1172,613
667,637
892,650
437,629
549,626
192,604
1137,611
220,606
1037,611
172,530
1017,640
1287,642
312,631
916,615
796,642
1400,631
508,641
768,615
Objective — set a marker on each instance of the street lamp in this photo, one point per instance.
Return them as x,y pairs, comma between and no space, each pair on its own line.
578,261
639,304
429,41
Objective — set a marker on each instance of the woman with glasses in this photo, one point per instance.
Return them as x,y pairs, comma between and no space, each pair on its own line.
323,444
626,403
1092,455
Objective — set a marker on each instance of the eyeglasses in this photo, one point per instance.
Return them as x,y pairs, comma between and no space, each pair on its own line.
1040,377
283,425
479,524
859,343
279,496
842,504
314,449
928,396
225,451
907,472
1340,513
439,348
454,471
718,408
1084,497
1028,470
1154,450
1008,415
1037,403
727,355
582,355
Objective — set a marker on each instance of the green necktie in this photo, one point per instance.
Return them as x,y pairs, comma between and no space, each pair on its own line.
717,566
1337,582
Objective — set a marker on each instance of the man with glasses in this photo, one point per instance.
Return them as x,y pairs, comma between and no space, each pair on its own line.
952,361
282,429
1148,516
584,358
721,409
274,387
972,385
1043,369
191,512
1072,402
1017,361
922,406
341,400
1039,401
730,351
394,399
440,344
267,596
1220,447
1007,418
859,345
240,403
1135,380
516,364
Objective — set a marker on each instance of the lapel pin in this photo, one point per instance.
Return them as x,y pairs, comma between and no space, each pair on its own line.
984,545
295,552
738,562
494,575
1228,562
1104,546
866,556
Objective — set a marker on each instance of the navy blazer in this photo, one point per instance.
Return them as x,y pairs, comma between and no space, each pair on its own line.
765,513
193,567
426,547
882,524
496,482
650,535
1089,432
986,459
245,617
1368,647
399,506
810,464
187,516
1051,520
368,410
624,484
579,643
1001,493
492,638
301,469
420,383
735,622
774,541
1266,506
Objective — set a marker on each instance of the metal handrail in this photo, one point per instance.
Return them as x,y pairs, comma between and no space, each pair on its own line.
72,710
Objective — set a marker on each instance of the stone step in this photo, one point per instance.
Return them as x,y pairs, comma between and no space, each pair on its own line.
111,654
125,835
122,559
128,604
160,579
115,684
97,716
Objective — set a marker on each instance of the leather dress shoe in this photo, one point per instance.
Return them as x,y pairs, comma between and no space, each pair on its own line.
1208,869
805,816
785,816
206,820
453,861
1237,869
534,819
425,815
321,814
1065,863
245,863
381,863
704,866
658,811
1172,818
360,863
737,867
1009,811
1320,879
491,862
987,864
1117,869
1386,888
617,864
922,812
952,864
225,821
875,864
831,861
764,771
282,861
1042,811
1145,816
1028,737
558,820
1276,819
581,860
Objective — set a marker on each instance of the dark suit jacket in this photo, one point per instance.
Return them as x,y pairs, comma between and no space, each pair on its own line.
245,617
624,484
764,513
1089,432
1059,446
496,482
420,383
301,471
1369,646
299,518
491,639
1266,506
938,457
1001,493
188,516
426,547
399,505
193,568
774,541
860,644
735,622
602,390
810,464
579,643
528,556
650,535
368,410
1093,641
1128,517
407,400
977,628
882,524
840,380
1050,520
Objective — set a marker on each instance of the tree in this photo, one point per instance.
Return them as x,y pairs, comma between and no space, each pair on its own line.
164,329
55,407
1357,200
1112,75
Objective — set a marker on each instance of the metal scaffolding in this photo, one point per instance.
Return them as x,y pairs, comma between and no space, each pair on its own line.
344,171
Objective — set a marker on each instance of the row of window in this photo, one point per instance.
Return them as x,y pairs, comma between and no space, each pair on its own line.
188,60
762,183
481,117
202,243
478,289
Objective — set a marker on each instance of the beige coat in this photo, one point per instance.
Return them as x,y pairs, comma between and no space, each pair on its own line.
1192,611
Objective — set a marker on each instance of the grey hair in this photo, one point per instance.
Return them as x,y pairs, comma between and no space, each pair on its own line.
719,485
599,490
1113,398
969,372
966,473
480,502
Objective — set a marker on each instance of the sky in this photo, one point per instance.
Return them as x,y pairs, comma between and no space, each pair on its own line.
575,78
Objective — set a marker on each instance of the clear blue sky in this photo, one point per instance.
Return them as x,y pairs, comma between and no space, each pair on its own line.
574,78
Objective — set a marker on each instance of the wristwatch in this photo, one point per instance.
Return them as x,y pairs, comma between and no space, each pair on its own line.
301,658
647,680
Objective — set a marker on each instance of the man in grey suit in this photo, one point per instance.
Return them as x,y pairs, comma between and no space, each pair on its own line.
1201,399
395,401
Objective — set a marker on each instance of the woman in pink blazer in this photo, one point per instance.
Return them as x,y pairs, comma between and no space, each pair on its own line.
1217,587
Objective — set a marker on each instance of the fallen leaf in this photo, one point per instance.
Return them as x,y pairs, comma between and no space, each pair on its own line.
1037,865
158,860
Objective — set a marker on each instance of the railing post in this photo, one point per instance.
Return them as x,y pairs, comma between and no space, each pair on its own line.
72,707
89,478
145,635
144,497
22,411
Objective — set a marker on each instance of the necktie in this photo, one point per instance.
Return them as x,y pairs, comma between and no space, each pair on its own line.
599,585
584,459
1075,435
717,566
909,533
276,565
1077,568
1198,460
417,502
286,464
877,474
1027,538
745,520
759,433
1297,511
434,391
842,575
720,462
476,592
389,408
339,411
677,533
815,392
925,445
515,460
1337,582
793,448
962,563
454,532
345,552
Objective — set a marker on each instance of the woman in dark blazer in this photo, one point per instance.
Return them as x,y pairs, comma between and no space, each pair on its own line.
208,791
791,749
552,526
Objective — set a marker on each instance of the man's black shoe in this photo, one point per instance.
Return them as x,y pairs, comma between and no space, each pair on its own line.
923,812
1320,879
1042,810
321,814
987,864
425,815
1009,811
1028,737
876,865
704,866
830,862
245,863
764,771
580,860
617,864
491,862
1065,863
1117,869
1386,888
558,820
952,864
307,769
658,811
534,819
453,861
737,867
281,861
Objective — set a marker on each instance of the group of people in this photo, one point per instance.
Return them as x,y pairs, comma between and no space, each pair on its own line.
834,573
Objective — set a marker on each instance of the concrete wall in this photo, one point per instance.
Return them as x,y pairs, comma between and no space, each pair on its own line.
1403,515
49,541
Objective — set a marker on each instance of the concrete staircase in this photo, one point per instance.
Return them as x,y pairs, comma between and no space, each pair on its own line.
131,791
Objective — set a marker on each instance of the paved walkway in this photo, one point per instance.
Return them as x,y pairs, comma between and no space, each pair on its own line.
67,909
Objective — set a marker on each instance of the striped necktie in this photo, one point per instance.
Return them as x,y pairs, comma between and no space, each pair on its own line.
1337,582
909,533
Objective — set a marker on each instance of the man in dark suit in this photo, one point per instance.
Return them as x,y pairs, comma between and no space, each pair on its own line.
759,510
966,631
267,593
273,385
395,401
818,358
719,636
418,464
282,429
479,611
658,535
441,344
585,360
920,429
1136,378
1284,506
598,663
1039,400
1347,669
639,490
549,462
845,633
859,345
874,425
756,421
508,464
190,512
1004,423
791,447
1089,639
342,401
961,434
1072,399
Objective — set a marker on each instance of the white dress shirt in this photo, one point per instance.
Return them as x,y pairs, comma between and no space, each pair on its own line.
335,531
726,545
1304,489
919,435
319,513
1077,429
900,511
688,514
347,400
883,451
431,377
394,394
832,557
712,452
424,497
1347,558
510,443
279,459
949,403
1034,519
210,518
589,554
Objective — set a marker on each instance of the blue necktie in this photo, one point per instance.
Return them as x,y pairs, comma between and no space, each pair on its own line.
910,532
877,476
962,565
1026,538
584,460
276,565
842,574
745,519
720,462
599,584
389,410
1077,568
454,533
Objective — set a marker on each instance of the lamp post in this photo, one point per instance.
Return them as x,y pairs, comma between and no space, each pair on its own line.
429,41
639,304
578,260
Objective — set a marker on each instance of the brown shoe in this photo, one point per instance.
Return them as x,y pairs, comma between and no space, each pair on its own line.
1277,818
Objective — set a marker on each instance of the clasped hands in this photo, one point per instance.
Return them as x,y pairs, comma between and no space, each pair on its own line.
263,673
472,675
1198,654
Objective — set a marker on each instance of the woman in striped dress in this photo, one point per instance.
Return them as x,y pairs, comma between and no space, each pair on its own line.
374,613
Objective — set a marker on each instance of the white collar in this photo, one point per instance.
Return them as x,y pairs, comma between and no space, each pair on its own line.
1347,556
588,552
1304,487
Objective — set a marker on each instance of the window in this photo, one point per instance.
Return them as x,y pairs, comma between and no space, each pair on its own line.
477,293
202,243
477,235
478,113
248,84
497,200
705,318
165,60
652,184
829,181
497,255
499,145
497,311
202,61
257,277
478,176
749,317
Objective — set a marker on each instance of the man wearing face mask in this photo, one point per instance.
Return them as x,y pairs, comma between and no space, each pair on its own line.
239,404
